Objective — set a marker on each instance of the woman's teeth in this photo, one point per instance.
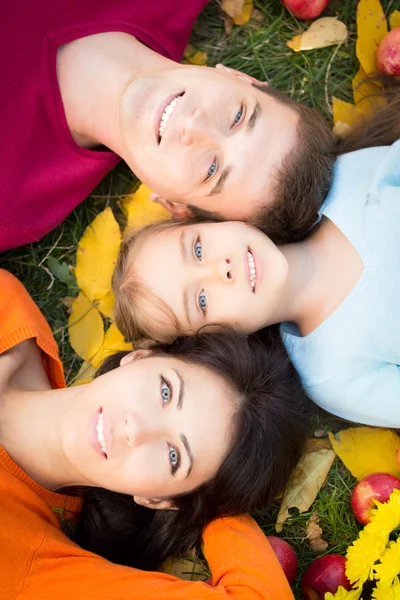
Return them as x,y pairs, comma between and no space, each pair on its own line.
167,113
100,433
252,268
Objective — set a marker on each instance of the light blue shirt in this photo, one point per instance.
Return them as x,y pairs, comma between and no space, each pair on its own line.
349,364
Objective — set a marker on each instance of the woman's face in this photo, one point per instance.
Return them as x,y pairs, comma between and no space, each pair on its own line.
210,273
154,427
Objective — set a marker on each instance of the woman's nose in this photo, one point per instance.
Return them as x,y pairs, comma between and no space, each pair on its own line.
138,430
195,128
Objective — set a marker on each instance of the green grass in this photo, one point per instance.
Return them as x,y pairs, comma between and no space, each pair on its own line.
259,48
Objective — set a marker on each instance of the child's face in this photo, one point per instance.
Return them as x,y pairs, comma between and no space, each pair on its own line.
211,273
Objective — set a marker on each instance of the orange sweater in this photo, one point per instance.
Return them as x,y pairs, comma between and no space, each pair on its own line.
38,562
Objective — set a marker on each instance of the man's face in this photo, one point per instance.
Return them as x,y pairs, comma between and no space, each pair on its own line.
206,137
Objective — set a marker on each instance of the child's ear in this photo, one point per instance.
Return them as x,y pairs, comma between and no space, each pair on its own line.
241,75
155,503
135,355
177,210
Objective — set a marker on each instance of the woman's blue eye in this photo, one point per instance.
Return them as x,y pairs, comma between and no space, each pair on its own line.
165,391
211,170
202,300
173,456
198,249
238,116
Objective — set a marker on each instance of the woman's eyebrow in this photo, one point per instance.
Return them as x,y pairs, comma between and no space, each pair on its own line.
181,389
189,453
183,437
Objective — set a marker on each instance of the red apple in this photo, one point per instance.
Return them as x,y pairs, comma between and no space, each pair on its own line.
305,9
323,575
388,53
286,555
377,486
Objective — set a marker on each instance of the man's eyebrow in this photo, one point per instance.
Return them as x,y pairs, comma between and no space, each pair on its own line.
220,183
253,118
189,453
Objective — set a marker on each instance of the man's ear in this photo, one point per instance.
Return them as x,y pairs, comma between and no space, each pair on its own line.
177,210
241,75
135,355
155,503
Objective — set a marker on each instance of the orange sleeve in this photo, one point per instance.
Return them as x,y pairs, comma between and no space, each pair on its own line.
21,319
242,562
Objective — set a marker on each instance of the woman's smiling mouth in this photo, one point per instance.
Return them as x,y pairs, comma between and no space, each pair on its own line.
166,114
252,273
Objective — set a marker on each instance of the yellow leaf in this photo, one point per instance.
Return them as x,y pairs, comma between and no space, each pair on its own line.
85,326
371,29
113,342
366,450
106,305
368,96
195,57
307,479
239,10
85,374
325,31
97,254
141,211
344,112
394,19
188,568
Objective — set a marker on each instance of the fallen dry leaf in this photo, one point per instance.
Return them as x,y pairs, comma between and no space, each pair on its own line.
368,95
141,211
194,57
68,302
85,374
307,479
228,24
345,112
113,342
325,31
106,305
366,450
314,535
85,327
190,568
394,19
238,10
371,29
97,254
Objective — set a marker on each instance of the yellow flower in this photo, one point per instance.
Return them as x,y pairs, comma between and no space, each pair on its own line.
386,592
362,555
385,517
343,594
389,566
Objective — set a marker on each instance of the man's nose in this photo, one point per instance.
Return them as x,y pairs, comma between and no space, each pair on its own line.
138,430
195,128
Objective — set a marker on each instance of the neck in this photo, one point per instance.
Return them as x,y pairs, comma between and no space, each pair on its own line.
30,431
93,73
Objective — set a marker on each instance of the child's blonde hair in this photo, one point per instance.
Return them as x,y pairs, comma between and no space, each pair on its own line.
132,294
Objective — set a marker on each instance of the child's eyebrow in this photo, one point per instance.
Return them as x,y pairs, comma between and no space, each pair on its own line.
185,293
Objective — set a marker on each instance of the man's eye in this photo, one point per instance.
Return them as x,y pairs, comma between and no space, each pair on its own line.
166,391
202,301
238,117
211,170
198,249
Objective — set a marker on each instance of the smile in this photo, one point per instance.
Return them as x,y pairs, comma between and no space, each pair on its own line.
166,115
100,433
252,270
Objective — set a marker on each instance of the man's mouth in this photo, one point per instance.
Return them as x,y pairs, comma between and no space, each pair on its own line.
166,113
252,270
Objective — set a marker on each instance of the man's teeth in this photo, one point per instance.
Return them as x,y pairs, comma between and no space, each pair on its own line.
167,113
100,433
252,267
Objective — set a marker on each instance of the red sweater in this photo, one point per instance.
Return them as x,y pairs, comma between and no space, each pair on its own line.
43,173
38,562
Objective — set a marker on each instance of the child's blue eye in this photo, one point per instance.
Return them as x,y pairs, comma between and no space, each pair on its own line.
202,300
238,116
211,170
198,249
165,391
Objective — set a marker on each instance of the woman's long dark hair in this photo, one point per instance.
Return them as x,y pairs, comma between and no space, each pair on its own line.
271,425
383,128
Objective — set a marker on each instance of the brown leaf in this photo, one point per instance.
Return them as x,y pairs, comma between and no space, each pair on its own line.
307,479
67,301
239,10
228,24
314,534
